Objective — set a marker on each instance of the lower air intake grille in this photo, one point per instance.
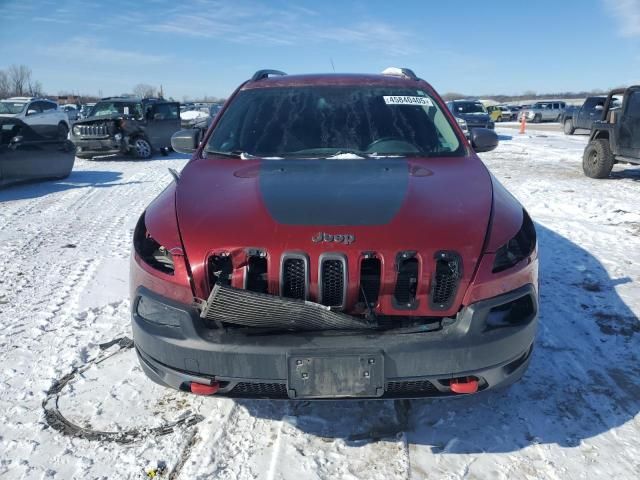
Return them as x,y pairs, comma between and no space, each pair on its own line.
333,282
294,277
259,390
446,278
411,388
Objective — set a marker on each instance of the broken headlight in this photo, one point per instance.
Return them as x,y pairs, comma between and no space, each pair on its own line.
160,313
518,248
150,251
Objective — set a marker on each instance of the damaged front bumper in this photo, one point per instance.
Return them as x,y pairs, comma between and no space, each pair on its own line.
490,341
107,146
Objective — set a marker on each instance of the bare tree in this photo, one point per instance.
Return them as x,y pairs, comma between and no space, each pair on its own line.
5,90
144,90
19,79
35,88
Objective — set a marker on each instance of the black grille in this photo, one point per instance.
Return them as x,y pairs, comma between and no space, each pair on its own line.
259,390
411,388
220,270
446,278
332,282
407,281
294,278
369,281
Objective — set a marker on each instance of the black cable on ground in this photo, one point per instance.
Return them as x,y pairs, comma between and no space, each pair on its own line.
58,422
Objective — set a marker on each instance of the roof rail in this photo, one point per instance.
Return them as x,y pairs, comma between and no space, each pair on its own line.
261,74
400,72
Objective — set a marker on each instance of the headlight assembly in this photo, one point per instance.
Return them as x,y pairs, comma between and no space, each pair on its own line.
76,130
463,123
150,251
518,248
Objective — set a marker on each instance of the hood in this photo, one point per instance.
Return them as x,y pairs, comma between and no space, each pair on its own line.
100,118
474,117
381,205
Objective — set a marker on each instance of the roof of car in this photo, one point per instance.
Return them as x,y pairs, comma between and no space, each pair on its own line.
337,79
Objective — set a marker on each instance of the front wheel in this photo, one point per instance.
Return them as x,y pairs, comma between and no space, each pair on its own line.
63,131
597,160
141,148
568,127
537,118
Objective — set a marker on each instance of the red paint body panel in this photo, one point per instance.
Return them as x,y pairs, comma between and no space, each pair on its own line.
447,207
160,220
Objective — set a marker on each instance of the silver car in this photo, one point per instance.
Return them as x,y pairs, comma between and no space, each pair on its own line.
548,111
39,113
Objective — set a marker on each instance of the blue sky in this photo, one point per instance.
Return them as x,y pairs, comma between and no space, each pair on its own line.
198,47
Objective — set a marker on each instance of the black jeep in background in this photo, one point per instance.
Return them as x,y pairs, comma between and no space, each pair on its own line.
584,116
126,125
615,137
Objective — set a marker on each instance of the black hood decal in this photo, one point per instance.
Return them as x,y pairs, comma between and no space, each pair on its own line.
334,192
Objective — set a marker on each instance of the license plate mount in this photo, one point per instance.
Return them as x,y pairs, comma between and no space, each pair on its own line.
335,375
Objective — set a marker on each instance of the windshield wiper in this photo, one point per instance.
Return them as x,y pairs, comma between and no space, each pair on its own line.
233,153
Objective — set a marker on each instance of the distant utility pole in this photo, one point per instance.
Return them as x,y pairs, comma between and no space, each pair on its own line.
161,92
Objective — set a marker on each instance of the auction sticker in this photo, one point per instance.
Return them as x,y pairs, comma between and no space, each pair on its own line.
405,100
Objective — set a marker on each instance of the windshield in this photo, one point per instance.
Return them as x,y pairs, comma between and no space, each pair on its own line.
11,107
332,120
122,108
468,107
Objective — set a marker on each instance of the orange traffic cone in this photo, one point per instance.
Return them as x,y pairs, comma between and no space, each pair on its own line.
523,123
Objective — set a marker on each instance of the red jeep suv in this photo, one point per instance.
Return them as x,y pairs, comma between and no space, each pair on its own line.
334,236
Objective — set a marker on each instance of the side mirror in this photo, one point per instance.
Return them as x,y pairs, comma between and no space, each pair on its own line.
31,111
185,141
599,107
483,139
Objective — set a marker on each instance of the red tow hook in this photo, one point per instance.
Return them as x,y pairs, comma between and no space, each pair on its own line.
202,389
464,385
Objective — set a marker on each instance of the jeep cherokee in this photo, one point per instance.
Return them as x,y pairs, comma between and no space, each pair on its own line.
334,236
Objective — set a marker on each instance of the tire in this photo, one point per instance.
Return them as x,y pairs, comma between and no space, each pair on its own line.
597,160
141,148
63,131
568,127
537,118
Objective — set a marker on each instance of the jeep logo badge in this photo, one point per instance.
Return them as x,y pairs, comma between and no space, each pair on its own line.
337,238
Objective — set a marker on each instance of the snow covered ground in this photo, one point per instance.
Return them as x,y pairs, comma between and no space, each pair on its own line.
64,291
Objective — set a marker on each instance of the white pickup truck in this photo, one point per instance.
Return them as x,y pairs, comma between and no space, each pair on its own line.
39,113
